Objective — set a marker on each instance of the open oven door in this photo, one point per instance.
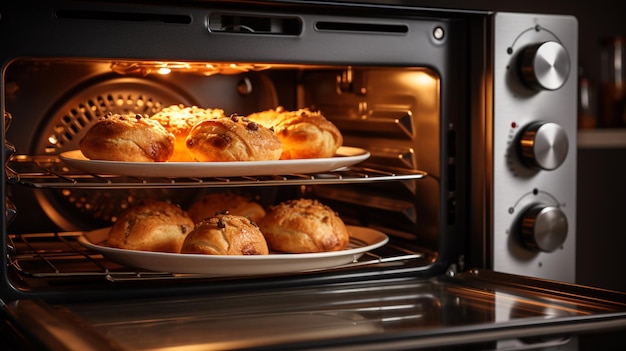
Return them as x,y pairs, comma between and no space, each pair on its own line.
478,309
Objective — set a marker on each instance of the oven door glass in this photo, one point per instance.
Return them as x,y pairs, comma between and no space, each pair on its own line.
481,308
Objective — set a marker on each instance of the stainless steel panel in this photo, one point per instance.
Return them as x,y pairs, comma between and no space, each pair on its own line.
515,185
475,308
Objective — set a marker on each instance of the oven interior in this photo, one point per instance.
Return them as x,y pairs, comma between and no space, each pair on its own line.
406,188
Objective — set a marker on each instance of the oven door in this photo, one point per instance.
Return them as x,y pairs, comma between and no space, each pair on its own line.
479,309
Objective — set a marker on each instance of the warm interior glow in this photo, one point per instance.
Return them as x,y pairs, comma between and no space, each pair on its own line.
207,69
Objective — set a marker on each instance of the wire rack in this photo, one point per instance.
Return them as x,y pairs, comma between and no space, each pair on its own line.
51,172
59,255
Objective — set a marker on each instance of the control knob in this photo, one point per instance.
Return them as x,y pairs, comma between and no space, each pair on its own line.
543,228
544,66
543,145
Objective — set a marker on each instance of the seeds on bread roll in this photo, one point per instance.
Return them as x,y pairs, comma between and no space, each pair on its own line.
130,137
212,204
304,133
151,226
232,138
225,234
304,225
178,120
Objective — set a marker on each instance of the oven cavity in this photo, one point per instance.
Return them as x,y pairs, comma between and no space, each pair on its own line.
393,191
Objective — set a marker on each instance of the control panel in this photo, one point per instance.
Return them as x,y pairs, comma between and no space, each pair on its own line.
534,145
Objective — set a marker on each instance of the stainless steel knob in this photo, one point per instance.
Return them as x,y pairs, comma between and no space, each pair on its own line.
543,228
545,66
544,145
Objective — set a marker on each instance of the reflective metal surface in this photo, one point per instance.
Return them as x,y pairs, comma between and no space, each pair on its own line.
545,65
544,228
478,307
544,145
551,178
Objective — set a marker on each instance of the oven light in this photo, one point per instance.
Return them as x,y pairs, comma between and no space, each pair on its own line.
52,139
164,70
423,79
206,69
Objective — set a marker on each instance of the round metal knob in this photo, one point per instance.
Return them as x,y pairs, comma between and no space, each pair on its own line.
545,65
543,228
544,145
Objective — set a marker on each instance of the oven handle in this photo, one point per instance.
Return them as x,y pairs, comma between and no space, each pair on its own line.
53,328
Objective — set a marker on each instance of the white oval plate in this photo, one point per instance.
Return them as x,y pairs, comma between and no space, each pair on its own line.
346,156
362,240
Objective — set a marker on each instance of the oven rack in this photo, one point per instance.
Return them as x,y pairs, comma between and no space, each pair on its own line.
59,255
51,172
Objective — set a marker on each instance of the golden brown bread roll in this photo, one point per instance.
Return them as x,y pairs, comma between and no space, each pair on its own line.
304,225
304,133
232,138
178,120
225,234
151,226
131,137
210,205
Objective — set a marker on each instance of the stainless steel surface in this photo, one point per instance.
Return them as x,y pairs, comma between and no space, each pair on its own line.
61,334
544,228
545,65
407,313
396,115
544,145
517,186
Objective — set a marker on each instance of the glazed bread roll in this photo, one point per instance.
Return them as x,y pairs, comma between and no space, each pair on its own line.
304,225
178,120
232,138
210,205
304,133
225,234
151,226
131,137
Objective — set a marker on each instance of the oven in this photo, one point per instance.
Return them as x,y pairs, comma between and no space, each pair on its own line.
457,170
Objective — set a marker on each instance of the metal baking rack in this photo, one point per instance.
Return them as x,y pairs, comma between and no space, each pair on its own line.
51,172
61,256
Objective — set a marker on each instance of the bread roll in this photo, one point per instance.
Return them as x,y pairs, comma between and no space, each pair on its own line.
131,137
225,234
304,225
303,133
178,120
151,226
210,205
232,138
